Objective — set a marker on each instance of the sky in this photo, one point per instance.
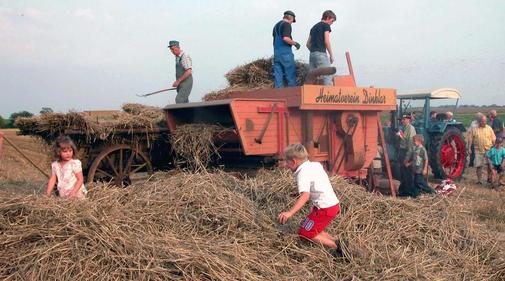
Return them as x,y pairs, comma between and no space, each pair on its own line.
99,54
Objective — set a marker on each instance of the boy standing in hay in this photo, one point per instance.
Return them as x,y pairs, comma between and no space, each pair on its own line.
417,159
313,185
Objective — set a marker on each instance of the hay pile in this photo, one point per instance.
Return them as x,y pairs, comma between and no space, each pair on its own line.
216,227
133,117
150,112
257,74
194,145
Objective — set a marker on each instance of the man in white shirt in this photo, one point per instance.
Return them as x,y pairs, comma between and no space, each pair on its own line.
313,185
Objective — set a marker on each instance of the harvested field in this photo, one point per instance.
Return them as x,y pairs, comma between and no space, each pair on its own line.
216,227
16,173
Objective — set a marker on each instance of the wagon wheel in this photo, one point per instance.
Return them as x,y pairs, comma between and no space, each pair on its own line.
119,164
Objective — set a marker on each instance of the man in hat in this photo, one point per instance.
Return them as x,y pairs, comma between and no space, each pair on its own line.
183,72
319,43
496,123
284,60
406,136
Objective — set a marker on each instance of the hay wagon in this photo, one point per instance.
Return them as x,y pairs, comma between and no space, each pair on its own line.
114,146
132,155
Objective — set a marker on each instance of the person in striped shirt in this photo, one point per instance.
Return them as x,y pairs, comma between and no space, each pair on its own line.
183,72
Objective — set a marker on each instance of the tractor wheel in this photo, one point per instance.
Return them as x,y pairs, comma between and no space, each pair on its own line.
447,154
120,164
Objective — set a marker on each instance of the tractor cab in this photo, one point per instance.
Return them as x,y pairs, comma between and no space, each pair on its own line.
419,105
443,135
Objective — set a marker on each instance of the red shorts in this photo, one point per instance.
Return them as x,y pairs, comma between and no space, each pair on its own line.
317,221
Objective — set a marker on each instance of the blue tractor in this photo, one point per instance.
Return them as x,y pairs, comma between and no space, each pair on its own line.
444,136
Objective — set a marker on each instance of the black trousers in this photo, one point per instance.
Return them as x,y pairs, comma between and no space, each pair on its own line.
421,185
407,187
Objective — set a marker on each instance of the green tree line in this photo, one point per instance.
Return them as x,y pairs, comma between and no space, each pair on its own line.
9,122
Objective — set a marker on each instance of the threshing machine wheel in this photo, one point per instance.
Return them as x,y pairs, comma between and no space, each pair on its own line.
120,164
447,154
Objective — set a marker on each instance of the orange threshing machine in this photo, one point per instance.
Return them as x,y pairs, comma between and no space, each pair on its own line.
339,125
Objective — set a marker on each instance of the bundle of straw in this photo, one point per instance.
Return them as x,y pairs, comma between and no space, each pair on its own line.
257,74
194,144
135,117
204,226
150,112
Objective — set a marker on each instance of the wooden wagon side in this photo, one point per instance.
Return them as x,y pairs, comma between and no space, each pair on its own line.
124,156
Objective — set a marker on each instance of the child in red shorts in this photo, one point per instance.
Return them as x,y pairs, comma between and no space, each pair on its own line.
314,185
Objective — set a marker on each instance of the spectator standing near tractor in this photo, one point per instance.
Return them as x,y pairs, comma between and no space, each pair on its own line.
406,136
417,159
471,147
496,123
482,138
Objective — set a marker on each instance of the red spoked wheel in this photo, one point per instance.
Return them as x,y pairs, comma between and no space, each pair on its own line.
448,154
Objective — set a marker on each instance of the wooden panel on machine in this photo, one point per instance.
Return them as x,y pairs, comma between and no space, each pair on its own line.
316,97
261,125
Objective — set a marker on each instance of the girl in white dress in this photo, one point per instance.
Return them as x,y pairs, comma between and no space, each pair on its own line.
66,171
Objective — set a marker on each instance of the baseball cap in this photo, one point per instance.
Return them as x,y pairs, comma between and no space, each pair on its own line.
408,116
288,12
499,140
173,43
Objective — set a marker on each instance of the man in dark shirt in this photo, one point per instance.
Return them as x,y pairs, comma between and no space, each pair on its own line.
319,42
284,60
496,123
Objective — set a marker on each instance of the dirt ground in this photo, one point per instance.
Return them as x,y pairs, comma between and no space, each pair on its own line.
486,205
16,173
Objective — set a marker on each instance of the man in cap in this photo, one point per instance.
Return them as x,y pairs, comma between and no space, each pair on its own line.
496,123
319,43
183,72
284,60
406,135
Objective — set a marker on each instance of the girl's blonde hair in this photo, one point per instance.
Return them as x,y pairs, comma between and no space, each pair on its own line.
61,143
296,151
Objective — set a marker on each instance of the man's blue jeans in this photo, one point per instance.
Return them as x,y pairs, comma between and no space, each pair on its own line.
320,59
284,65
